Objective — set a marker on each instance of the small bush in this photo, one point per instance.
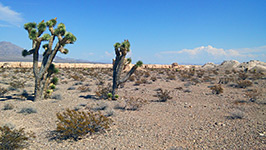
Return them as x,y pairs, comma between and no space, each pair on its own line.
253,95
103,91
242,76
74,124
14,139
134,103
243,83
8,107
27,111
3,91
138,82
17,84
84,88
217,89
163,95
153,79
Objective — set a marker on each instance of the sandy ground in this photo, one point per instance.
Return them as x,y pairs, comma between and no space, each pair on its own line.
194,118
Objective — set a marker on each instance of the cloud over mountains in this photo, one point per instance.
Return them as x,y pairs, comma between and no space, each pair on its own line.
209,53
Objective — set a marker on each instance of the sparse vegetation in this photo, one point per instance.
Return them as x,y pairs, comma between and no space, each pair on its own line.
243,83
75,124
163,95
8,107
14,139
217,89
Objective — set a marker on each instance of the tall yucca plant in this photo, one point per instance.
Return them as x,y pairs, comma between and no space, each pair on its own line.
36,34
121,50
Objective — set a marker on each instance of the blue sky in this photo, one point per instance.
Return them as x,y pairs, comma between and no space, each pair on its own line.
160,32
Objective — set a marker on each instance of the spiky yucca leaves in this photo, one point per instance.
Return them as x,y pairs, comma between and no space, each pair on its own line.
121,50
73,124
14,139
37,35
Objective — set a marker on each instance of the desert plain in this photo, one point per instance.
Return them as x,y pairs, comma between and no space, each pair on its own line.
194,114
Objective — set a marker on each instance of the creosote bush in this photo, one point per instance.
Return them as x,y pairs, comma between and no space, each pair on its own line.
74,124
14,139
163,95
243,83
217,89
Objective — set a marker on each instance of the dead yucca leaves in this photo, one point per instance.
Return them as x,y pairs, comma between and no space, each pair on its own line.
73,124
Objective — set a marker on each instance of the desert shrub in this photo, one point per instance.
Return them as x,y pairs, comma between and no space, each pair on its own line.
73,124
134,103
236,115
17,84
3,91
131,78
225,80
77,77
227,72
103,90
253,94
57,96
208,79
153,79
27,111
138,82
144,81
243,83
257,75
84,88
242,76
200,73
8,107
171,77
147,74
217,89
14,139
215,72
99,106
163,95
71,88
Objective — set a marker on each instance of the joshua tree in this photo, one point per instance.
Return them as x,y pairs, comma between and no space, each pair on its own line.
121,50
36,35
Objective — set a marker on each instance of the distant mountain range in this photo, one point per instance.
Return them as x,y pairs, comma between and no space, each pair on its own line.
10,52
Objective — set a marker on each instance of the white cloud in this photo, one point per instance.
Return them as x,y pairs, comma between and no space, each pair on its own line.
209,53
108,54
10,16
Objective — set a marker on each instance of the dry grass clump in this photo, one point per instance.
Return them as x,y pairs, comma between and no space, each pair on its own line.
77,77
133,103
103,91
3,91
163,95
73,124
14,139
217,89
8,107
17,84
243,83
253,94
84,88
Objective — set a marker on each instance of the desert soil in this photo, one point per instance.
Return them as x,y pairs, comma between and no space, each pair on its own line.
194,118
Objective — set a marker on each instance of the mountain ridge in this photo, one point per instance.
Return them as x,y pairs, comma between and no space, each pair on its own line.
10,52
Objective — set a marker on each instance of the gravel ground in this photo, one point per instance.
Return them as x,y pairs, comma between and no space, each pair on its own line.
193,119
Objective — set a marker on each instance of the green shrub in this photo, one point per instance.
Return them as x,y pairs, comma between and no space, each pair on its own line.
54,80
14,139
74,124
